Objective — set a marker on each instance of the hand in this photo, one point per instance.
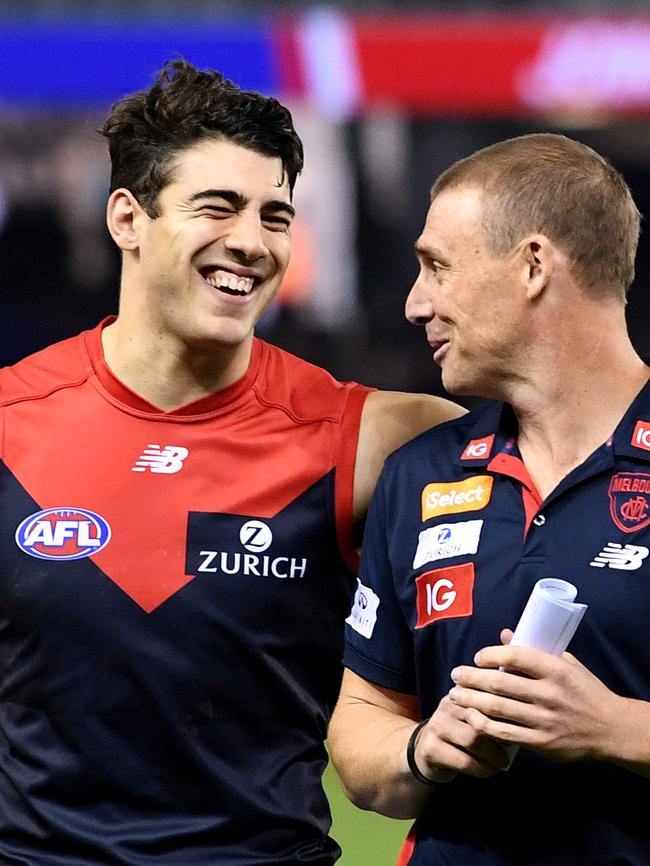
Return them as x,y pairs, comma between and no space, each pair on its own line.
447,745
550,704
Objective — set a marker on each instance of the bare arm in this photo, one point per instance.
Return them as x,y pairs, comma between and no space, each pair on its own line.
389,419
368,736
558,708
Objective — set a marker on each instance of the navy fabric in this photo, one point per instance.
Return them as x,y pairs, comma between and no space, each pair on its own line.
427,603
172,599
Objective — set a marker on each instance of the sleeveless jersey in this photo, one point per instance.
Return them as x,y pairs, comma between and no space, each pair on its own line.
173,587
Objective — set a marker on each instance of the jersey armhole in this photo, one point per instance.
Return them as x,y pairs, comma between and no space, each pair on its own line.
3,416
345,458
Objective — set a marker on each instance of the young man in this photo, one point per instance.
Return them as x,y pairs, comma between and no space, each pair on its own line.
178,502
525,258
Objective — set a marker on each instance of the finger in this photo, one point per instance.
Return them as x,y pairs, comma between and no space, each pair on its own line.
506,635
439,756
498,682
449,742
488,752
495,706
527,661
502,731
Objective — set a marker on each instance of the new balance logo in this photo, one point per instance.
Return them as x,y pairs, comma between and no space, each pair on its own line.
167,460
627,557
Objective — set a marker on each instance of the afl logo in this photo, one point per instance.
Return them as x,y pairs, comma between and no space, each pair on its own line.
63,533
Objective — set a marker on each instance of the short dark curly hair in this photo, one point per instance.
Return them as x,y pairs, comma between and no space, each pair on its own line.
147,129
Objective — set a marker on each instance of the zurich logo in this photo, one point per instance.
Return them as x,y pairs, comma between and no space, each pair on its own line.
63,533
256,536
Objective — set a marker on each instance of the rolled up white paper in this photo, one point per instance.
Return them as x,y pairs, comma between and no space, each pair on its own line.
550,618
548,622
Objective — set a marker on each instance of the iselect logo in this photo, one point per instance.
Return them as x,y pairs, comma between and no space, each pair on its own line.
455,497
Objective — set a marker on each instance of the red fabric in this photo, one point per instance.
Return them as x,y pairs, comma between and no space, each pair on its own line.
508,464
253,449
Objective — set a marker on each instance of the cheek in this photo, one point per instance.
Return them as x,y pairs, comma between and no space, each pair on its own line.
277,265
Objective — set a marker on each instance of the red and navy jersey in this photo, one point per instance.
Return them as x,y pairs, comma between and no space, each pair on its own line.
456,538
173,587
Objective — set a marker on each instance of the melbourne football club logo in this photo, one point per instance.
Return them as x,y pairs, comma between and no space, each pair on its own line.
63,533
629,500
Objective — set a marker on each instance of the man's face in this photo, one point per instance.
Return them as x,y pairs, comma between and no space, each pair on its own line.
465,297
212,262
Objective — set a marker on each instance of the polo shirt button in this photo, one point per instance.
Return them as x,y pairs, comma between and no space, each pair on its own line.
540,520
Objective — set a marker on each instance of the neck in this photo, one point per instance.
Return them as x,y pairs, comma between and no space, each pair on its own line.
167,372
568,408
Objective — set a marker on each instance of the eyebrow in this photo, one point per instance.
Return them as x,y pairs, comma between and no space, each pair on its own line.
238,201
423,250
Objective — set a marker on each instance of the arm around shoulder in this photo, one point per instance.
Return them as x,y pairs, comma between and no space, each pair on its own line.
389,419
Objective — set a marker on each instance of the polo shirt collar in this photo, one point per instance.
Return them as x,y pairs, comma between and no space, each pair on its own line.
495,431
632,436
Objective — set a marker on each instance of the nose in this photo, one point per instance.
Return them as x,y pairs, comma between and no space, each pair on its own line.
419,305
246,237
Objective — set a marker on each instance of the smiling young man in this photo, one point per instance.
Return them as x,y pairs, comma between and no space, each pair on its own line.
179,501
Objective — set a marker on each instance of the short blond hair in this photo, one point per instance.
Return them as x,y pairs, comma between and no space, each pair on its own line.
550,184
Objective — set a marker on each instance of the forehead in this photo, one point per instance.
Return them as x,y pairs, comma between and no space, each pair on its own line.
453,218
222,164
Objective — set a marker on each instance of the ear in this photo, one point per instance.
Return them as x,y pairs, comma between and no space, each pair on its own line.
123,218
537,264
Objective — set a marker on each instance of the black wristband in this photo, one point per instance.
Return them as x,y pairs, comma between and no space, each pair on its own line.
410,755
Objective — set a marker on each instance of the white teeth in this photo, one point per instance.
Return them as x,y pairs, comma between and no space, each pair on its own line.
226,280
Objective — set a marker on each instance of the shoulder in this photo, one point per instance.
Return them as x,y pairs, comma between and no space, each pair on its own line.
441,443
303,389
389,419
395,417
57,366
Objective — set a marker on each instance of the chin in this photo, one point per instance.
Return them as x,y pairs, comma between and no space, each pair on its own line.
467,386
219,337
454,384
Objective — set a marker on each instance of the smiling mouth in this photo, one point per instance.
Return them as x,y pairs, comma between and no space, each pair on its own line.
228,282
438,347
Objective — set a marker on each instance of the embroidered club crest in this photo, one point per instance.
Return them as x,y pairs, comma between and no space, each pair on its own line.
629,500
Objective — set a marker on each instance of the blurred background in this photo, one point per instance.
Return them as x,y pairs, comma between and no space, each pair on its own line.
385,97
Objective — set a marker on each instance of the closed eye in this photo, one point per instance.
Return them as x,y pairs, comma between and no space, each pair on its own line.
277,222
216,211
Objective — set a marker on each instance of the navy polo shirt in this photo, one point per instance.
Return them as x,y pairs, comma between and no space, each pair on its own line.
456,538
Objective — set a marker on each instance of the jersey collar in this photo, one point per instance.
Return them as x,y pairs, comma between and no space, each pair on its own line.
122,394
495,432
632,436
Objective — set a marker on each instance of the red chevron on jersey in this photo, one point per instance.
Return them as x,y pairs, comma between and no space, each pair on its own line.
285,418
